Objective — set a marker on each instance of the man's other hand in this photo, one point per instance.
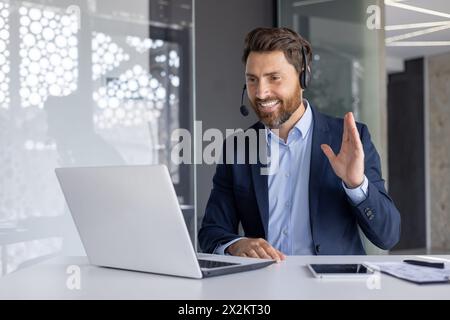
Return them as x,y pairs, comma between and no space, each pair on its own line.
255,248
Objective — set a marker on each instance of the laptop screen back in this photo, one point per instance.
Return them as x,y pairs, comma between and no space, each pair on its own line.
128,217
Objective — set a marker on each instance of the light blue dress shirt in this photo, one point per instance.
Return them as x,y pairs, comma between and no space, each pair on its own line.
289,227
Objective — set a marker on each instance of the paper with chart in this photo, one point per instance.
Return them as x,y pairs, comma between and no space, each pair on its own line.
417,274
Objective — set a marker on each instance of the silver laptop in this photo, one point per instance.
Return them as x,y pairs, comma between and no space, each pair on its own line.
128,217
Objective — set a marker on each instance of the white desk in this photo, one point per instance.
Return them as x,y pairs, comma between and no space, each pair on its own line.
287,280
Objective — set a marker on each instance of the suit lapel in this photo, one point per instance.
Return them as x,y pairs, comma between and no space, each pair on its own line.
260,183
262,195
318,164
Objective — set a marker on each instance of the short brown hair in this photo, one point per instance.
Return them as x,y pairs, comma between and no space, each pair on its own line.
278,39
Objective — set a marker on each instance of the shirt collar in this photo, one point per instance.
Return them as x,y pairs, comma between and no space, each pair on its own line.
303,124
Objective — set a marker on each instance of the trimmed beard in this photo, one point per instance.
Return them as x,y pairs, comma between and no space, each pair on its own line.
276,119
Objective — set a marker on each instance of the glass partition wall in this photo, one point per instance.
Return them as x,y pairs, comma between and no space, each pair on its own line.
348,68
85,83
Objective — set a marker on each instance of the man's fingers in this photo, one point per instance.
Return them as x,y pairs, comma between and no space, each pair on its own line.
274,253
255,248
262,253
345,133
281,254
251,253
356,140
353,131
351,125
328,152
351,120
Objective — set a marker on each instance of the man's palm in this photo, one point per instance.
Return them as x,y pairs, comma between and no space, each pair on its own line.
348,164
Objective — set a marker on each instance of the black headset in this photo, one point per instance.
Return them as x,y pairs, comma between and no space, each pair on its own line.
305,77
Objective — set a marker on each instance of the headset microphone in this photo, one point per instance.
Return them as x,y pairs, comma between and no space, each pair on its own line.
244,110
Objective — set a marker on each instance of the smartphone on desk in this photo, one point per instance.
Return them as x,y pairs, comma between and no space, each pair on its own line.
336,271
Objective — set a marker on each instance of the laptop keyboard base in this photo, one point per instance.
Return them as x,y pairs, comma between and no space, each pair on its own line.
210,264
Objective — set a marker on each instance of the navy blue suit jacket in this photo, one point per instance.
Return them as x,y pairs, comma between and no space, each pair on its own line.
240,195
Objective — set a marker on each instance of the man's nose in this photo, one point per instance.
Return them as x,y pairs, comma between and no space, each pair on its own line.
262,90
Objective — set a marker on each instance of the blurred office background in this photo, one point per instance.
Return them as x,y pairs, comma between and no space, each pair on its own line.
85,83
101,82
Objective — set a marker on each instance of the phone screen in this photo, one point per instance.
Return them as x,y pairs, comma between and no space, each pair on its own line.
339,269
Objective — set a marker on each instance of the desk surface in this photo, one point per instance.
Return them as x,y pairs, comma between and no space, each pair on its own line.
289,279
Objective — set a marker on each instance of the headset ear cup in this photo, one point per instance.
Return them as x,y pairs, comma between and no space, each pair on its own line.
306,78
304,74
303,80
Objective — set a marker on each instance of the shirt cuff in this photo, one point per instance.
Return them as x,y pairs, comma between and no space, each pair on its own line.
221,248
358,194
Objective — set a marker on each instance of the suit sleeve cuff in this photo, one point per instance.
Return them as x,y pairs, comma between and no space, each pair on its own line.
221,248
358,194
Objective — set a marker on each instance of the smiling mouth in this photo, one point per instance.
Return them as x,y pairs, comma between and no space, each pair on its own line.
269,106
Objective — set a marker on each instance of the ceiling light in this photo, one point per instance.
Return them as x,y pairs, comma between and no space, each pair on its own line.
418,43
415,25
416,33
414,8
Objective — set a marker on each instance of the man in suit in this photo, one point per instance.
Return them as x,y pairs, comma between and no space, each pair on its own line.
328,179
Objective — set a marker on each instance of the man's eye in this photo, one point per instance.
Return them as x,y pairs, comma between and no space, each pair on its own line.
275,78
251,80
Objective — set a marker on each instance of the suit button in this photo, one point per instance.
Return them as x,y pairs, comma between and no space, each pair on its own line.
318,248
368,212
371,217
